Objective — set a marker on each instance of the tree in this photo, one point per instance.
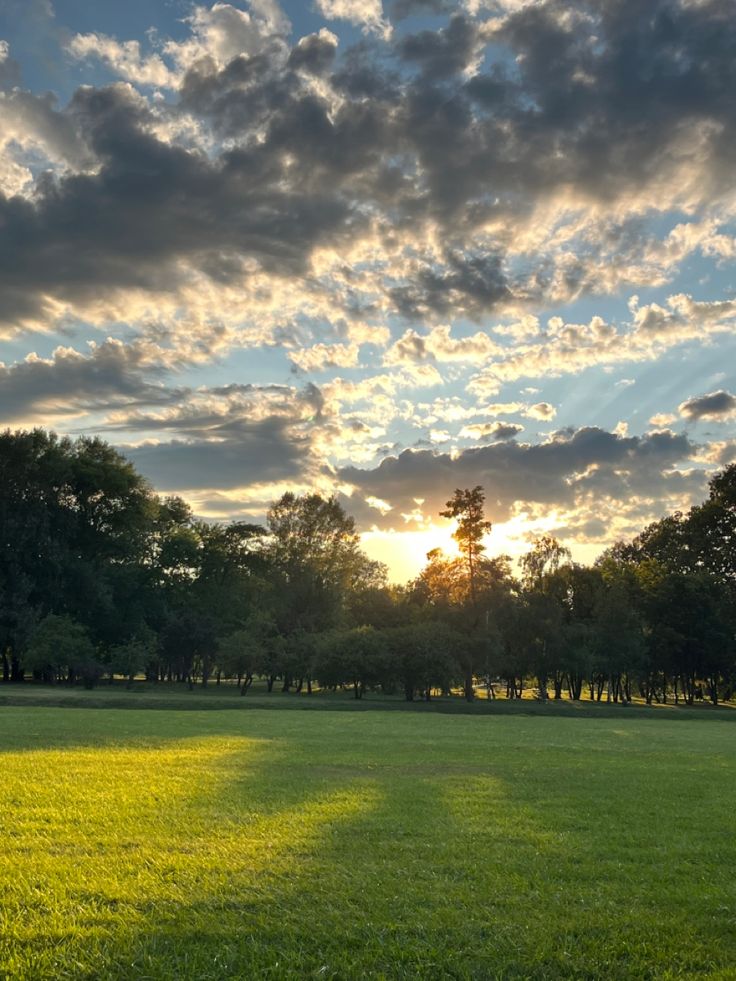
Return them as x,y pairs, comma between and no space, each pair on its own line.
544,558
75,519
424,656
133,657
314,551
466,506
188,642
241,656
355,657
60,645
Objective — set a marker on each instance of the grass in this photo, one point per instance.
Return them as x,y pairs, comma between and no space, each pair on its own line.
366,844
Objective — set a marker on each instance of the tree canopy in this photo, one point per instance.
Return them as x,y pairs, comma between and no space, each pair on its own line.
101,577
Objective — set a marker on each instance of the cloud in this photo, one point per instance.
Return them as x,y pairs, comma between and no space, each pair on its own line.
662,419
720,405
264,452
439,345
565,348
491,430
439,191
541,410
442,53
232,437
218,34
323,356
71,383
465,188
368,14
124,59
581,468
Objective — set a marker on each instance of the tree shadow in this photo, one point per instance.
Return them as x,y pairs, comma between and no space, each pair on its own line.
254,855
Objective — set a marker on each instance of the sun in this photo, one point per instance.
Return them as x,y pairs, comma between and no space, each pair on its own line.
405,552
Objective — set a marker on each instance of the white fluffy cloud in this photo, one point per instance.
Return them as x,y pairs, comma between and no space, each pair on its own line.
368,14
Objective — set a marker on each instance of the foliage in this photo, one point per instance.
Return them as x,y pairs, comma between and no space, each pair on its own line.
59,644
99,575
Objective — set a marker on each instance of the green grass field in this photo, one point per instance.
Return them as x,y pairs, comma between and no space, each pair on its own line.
152,843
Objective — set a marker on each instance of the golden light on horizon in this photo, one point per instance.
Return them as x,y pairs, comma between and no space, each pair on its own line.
405,552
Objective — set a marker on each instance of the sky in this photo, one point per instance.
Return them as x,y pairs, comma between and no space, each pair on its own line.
380,250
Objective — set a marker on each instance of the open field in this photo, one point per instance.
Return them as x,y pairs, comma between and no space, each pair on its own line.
586,843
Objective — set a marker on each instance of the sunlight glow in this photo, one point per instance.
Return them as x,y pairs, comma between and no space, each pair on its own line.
405,552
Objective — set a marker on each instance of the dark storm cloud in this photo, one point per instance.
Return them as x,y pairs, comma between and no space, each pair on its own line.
715,405
587,462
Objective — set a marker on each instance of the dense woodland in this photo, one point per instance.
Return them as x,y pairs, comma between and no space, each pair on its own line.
102,578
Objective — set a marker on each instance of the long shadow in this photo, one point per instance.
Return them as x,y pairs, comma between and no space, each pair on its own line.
214,700
302,864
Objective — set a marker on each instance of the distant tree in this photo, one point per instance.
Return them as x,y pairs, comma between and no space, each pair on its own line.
617,641
355,657
133,657
59,646
241,656
543,559
188,643
425,656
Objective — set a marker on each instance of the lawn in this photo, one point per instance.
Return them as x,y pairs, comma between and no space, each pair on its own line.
152,843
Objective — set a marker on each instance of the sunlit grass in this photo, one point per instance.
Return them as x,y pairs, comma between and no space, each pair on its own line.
199,844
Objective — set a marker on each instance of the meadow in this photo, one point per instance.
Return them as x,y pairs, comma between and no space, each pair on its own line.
370,842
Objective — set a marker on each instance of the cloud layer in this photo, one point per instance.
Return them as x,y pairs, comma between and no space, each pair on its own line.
386,256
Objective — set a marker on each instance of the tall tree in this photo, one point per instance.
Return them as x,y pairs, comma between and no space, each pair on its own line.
466,506
316,561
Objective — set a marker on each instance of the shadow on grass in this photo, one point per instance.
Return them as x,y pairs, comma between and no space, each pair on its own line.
285,863
177,698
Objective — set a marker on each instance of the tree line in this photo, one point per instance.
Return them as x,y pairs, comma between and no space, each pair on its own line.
100,577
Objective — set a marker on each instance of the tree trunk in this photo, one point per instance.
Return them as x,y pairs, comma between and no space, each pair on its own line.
713,685
469,689
557,681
